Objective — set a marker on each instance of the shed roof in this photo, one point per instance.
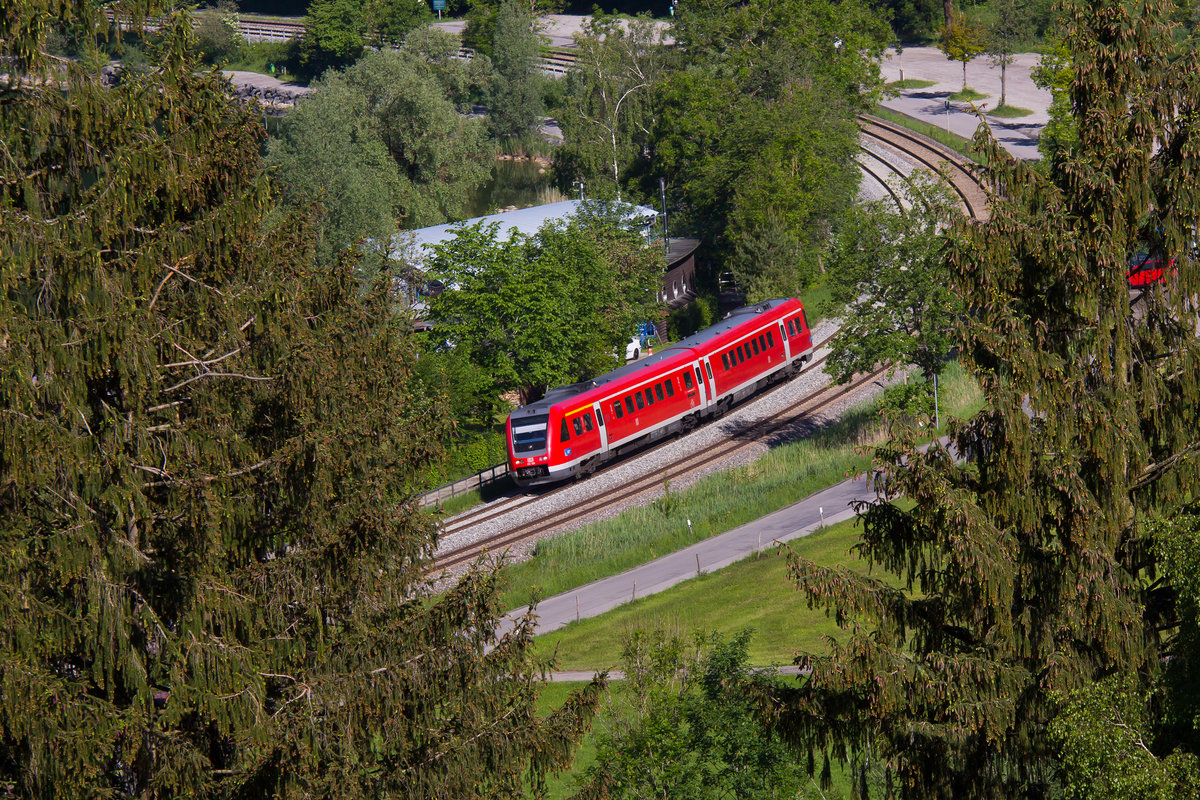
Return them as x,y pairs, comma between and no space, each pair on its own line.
526,221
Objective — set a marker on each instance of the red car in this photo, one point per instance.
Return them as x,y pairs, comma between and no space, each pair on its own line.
575,428
1145,269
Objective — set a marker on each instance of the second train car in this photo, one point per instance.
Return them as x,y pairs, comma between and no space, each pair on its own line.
576,428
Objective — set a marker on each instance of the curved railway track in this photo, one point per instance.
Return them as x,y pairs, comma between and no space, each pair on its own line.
911,150
960,173
682,467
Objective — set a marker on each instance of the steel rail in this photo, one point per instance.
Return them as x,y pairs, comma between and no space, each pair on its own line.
682,467
482,514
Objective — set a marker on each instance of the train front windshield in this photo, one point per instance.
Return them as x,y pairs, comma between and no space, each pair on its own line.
529,433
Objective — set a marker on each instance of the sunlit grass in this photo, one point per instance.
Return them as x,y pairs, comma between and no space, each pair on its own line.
1009,112
718,502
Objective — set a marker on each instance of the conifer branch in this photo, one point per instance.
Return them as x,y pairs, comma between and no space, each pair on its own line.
241,375
1157,469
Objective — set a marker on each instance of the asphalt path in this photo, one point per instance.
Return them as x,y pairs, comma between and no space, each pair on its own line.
826,507
1018,135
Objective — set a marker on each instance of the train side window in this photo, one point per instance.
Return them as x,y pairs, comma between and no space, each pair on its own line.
770,340
791,327
687,381
670,388
741,355
754,344
762,341
804,318
563,434
658,392
725,361
629,405
617,409
578,426
708,368
587,422
641,403
649,396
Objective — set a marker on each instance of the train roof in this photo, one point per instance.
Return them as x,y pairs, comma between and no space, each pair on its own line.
729,322
683,349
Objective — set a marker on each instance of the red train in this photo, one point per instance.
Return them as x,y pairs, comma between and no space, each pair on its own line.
576,428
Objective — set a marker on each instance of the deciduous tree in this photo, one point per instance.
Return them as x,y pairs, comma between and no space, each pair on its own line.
756,127
691,726
962,40
1010,27
609,112
515,92
891,273
381,145
536,312
333,37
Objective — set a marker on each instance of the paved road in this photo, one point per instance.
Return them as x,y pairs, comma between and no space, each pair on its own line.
1019,136
799,519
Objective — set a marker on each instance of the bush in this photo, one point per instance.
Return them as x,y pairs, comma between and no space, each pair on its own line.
475,453
696,315
216,28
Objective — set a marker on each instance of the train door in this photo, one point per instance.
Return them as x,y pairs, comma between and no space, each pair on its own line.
694,390
603,428
711,386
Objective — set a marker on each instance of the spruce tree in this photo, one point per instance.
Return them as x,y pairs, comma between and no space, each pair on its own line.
211,568
1032,568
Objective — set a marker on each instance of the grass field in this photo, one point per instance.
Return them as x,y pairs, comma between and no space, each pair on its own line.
911,83
754,593
951,140
717,503
1009,112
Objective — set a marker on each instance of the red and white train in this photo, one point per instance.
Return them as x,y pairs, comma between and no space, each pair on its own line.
576,428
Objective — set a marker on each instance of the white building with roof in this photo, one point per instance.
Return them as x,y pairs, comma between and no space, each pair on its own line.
412,246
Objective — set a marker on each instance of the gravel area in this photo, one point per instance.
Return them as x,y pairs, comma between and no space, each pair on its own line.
705,437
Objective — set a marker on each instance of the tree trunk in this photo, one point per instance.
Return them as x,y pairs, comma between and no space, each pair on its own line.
948,10
1003,77
964,75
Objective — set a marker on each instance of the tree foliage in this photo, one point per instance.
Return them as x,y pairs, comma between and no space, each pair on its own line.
756,128
900,308
536,312
692,729
1010,27
381,145
211,569
333,37
609,113
515,91
1029,571
962,39
1060,134
390,21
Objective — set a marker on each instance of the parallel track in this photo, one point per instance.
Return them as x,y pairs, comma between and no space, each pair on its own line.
681,468
912,149
961,174
491,511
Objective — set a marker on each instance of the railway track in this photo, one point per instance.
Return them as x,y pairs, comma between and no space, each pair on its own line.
681,468
909,148
961,174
